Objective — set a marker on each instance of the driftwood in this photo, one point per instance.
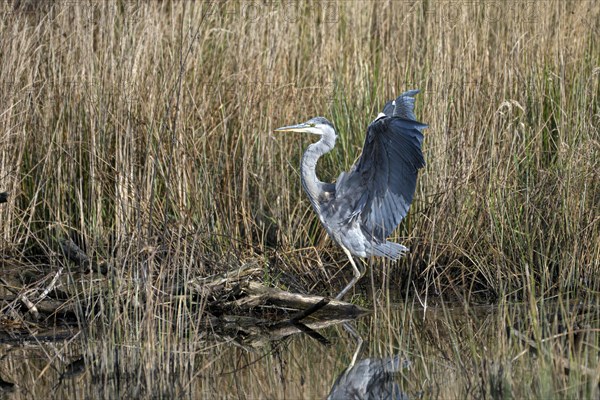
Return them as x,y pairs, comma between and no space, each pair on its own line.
234,306
251,314
258,294
250,293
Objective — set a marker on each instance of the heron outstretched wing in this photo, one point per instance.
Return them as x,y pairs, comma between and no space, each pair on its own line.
380,186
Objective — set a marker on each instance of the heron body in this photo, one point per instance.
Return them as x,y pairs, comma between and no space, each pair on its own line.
363,207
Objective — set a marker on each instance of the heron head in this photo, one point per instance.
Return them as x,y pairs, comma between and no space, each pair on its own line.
317,126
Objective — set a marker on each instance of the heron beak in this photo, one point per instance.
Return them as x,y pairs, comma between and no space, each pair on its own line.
294,128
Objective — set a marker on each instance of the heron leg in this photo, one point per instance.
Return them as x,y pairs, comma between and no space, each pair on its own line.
358,273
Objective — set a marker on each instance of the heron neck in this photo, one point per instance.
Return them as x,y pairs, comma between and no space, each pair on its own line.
308,169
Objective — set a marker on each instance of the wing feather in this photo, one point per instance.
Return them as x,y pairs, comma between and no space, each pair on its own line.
381,185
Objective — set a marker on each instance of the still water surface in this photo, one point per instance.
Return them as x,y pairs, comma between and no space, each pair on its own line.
441,352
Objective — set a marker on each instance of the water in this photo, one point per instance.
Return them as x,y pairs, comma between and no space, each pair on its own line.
447,351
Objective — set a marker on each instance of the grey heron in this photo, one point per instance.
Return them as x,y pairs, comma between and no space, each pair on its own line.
364,205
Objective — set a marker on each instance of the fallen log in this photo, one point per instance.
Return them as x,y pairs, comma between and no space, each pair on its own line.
258,294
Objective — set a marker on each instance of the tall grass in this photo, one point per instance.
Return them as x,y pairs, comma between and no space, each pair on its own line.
129,123
144,131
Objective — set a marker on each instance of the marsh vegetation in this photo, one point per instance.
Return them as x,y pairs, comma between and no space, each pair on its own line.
142,133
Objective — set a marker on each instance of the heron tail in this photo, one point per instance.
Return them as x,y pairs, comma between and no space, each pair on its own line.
390,250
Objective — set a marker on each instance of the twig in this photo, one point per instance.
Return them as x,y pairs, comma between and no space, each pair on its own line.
32,308
51,285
